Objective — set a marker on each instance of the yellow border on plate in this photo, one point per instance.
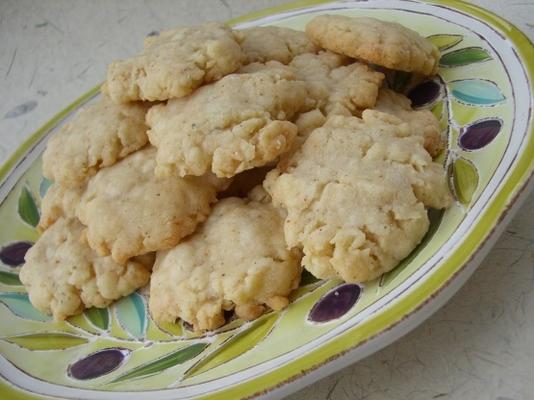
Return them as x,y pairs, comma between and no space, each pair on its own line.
516,181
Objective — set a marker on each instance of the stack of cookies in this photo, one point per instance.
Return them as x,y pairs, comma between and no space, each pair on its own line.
219,163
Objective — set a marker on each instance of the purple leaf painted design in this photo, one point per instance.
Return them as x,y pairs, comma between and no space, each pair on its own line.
335,303
425,94
13,253
479,134
98,364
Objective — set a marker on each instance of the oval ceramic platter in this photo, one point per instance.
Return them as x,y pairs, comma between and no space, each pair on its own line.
483,97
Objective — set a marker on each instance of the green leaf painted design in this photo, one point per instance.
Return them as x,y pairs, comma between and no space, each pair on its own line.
10,279
27,208
44,186
20,305
172,328
131,313
476,92
464,177
47,341
444,41
163,363
236,345
81,322
435,217
466,56
99,317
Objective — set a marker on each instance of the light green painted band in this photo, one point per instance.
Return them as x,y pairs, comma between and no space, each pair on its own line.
517,179
8,392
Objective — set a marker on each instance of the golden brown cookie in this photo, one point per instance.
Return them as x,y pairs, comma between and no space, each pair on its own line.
59,201
176,62
272,43
235,124
422,122
339,86
129,212
237,260
309,121
97,136
383,43
63,275
355,194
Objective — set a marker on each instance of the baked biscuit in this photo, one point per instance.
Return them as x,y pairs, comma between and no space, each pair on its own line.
355,194
63,275
128,212
175,63
422,122
309,121
235,124
97,136
59,201
272,43
383,43
237,259
339,86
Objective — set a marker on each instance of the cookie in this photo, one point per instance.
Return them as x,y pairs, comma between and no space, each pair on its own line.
340,87
355,194
237,260
175,63
235,124
98,136
383,43
271,43
128,212
422,122
59,201
63,275
309,121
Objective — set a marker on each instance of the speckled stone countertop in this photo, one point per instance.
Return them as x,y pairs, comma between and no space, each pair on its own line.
479,346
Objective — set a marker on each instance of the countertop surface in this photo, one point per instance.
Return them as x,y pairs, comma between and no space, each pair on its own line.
479,346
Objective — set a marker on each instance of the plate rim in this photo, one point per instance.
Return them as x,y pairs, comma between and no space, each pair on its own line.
407,312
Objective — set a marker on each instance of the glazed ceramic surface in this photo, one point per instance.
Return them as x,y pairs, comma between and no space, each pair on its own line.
483,99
